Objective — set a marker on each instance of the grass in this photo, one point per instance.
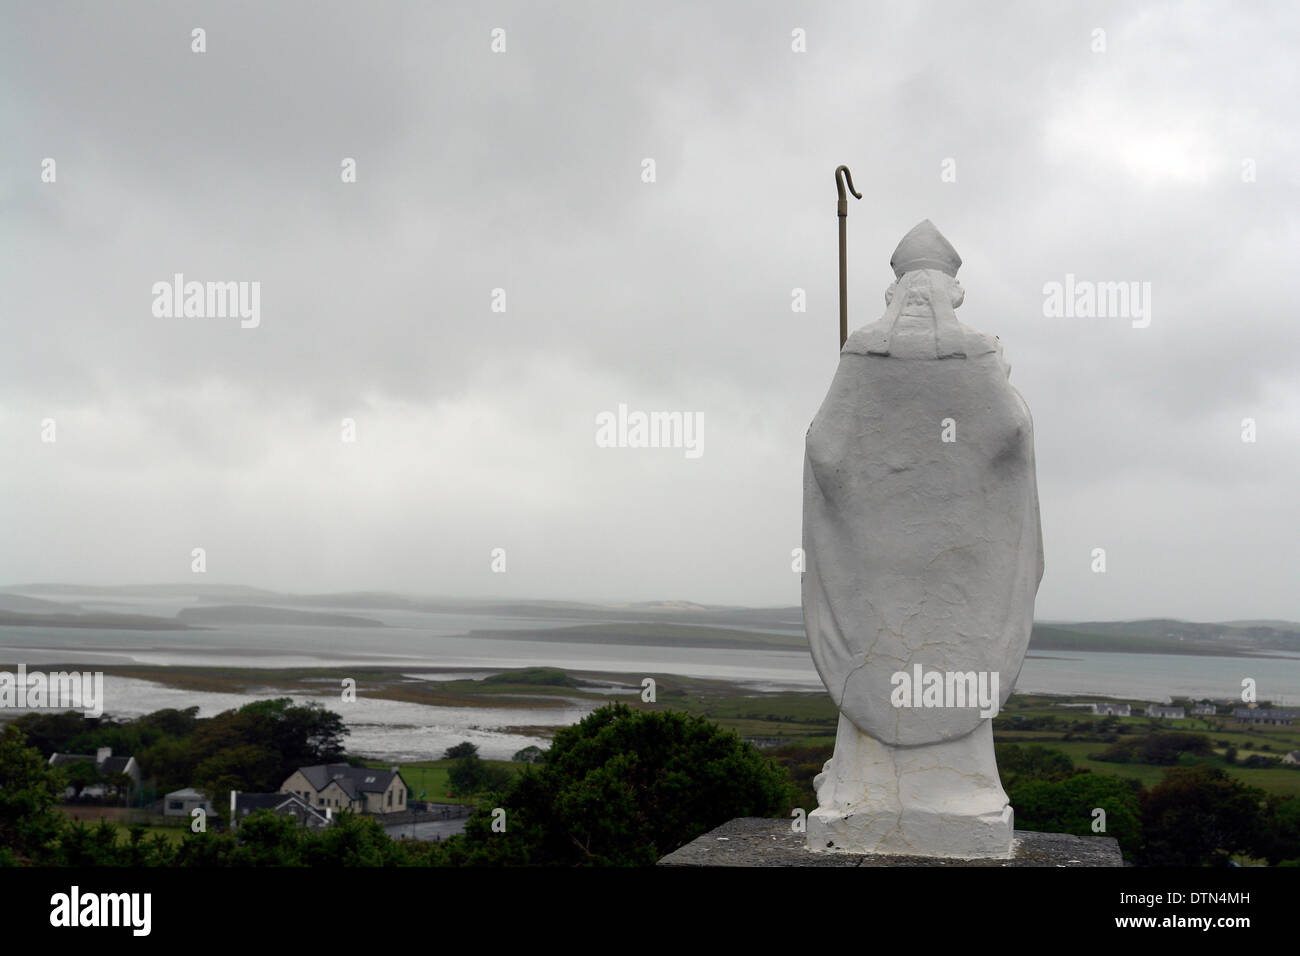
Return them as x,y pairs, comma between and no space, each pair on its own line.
119,817
1221,731
431,777
171,834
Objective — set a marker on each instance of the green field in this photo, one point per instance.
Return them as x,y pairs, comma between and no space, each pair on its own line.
171,834
1221,731
117,817
431,777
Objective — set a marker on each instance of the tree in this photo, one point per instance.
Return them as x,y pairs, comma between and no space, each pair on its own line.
351,841
257,746
1199,816
465,775
87,846
623,787
1165,748
463,749
470,775
310,734
82,774
171,761
530,754
267,839
51,733
1162,749
1033,762
171,722
1070,805
248,768
29,791
1283,842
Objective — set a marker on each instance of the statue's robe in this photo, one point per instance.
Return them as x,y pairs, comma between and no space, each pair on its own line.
919,551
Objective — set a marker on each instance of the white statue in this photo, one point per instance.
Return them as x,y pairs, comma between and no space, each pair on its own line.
924,553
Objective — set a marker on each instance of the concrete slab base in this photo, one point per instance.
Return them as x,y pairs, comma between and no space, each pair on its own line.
755,841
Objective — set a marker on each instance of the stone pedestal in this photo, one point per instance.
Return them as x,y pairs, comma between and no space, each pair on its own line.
755,841
943,799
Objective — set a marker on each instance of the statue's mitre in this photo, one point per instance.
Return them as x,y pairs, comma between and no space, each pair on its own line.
925,248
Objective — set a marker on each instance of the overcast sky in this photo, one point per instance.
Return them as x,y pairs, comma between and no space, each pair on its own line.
1171,157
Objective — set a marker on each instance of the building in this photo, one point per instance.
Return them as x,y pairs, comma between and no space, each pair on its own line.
108,766
281,804
1113,710
1168,713
1292,757
343,787
1204,709
182,803
1272,716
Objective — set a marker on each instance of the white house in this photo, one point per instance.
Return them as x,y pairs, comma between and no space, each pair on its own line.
180,803
1113,710
1168,713
108,766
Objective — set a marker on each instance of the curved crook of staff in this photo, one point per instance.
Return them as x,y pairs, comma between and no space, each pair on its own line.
842,211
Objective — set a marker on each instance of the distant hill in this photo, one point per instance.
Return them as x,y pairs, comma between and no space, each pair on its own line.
254,614
195,591
666,622
101,622
682,612
1166,635
31,605
653,634
1279,625
1066,638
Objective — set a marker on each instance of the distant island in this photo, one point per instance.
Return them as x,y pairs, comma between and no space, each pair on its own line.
651,623
101,622
652,634
256,614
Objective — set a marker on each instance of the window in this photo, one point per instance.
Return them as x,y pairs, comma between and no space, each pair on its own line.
175,805
390,798
401,797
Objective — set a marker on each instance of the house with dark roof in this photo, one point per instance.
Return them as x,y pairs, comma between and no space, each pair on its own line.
1272,716
339,786
281,804
108,766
